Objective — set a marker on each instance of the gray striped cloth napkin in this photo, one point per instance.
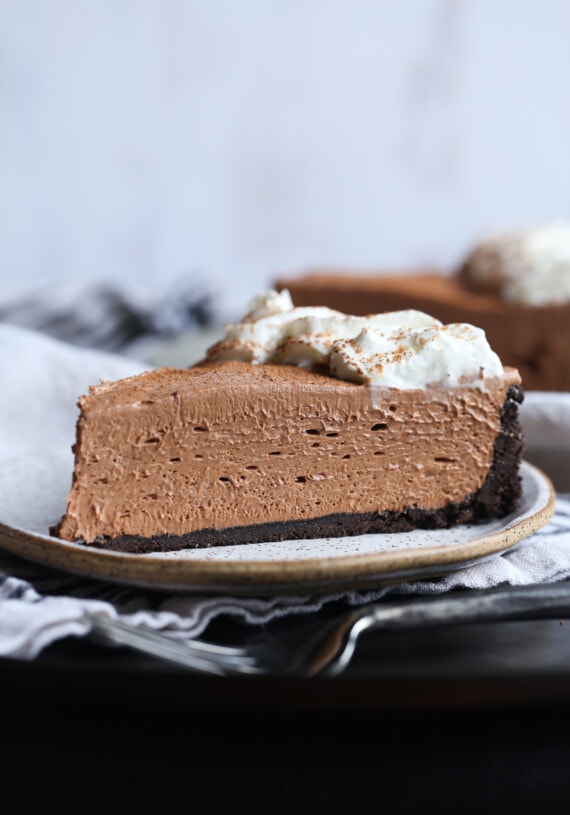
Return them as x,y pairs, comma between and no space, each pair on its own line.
111,316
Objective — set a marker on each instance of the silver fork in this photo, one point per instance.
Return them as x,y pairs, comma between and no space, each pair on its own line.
327,647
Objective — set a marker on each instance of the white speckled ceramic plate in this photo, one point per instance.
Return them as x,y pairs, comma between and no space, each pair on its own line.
33,492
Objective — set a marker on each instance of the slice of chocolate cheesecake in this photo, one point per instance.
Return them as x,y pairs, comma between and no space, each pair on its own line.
300,425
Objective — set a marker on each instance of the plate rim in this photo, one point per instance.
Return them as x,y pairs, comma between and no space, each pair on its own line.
318,574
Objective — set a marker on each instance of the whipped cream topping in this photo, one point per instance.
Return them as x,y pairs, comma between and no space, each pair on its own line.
529,266
398,349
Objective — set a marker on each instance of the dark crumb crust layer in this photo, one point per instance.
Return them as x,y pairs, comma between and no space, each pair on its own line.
498,496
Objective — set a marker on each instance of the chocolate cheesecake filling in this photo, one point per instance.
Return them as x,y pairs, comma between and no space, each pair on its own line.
231,452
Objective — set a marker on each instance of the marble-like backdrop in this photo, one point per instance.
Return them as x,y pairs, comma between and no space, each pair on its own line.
241,139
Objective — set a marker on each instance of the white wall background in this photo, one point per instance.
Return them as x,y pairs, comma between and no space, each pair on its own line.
142,139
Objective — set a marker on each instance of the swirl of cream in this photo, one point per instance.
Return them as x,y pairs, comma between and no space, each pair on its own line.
529,266
398,349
